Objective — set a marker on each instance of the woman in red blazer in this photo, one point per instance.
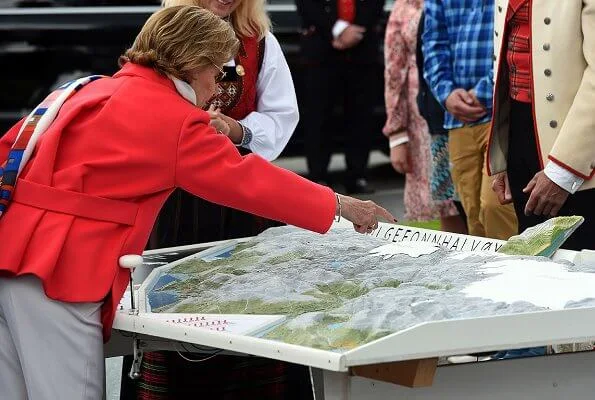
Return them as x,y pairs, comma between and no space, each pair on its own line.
94,185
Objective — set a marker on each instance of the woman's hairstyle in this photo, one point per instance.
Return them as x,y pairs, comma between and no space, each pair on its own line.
250,19
180,40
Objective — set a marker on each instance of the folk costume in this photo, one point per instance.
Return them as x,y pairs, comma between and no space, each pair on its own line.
89,194
258,92
543,104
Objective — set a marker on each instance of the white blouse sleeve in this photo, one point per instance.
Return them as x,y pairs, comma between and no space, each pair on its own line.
276,115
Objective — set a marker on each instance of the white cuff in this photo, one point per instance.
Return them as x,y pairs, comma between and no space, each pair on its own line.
397,142
339,27
562,177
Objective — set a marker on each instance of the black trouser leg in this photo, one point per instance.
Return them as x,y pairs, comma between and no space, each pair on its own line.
316,110
359,110
523,164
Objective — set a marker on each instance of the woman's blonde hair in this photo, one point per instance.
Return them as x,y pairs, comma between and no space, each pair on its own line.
180,40
250,19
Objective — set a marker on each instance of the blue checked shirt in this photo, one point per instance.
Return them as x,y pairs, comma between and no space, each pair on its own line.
458,48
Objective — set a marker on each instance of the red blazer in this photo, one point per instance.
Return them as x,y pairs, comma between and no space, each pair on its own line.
104,168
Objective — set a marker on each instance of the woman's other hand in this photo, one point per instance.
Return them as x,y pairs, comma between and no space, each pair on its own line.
234,130
364,214
217,121
399,158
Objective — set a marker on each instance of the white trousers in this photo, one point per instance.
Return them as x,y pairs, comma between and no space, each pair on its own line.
49,350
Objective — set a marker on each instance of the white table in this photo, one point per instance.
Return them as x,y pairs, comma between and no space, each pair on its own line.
409,357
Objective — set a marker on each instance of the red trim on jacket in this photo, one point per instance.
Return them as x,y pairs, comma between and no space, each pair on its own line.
569,168
535,130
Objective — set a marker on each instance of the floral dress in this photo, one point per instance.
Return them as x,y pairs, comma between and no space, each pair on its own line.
401,87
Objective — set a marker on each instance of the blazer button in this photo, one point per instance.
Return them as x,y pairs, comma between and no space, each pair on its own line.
546,46
547,21
548,72
327,9
550,97
553,124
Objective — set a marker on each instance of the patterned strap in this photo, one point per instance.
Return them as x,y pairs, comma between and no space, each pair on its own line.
37,122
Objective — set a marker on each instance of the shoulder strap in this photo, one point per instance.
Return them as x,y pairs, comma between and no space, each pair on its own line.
37,122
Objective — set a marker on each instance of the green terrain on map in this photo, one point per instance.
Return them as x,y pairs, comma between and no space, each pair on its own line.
336,294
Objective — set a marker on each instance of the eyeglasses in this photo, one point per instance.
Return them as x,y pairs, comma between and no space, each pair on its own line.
221,75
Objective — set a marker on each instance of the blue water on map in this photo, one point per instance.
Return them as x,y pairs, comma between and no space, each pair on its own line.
161,299
164,280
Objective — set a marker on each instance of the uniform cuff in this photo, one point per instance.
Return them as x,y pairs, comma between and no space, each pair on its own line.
562,177
339,27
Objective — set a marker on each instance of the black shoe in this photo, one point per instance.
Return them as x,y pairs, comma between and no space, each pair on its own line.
359,186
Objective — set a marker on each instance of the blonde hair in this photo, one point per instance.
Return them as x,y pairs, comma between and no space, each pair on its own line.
249,19
179,40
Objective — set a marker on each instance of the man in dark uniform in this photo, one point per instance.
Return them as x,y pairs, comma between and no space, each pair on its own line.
340,45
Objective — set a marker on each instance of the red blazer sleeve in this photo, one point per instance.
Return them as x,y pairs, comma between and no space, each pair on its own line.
7,140
209,166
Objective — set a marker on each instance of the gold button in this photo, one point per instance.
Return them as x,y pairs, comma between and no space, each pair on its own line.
240,70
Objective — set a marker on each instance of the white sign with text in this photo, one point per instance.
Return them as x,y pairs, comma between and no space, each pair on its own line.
451,241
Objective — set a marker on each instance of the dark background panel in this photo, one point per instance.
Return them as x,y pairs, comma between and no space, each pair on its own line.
47,42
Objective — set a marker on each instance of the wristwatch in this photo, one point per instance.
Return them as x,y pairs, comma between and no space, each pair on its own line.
246,136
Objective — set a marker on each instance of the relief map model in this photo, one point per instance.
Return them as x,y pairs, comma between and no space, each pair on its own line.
343,289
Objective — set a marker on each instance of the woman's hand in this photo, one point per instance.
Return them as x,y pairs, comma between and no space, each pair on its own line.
234,130
363,214
217,121
399,158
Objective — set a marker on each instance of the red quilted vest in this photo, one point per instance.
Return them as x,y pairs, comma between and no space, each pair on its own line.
237,98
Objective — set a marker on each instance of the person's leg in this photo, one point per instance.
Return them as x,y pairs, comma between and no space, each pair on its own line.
12,382
522,161
499,221
317,107
59,345
455,223
523,164
442,188
581,203
466,169
359,129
